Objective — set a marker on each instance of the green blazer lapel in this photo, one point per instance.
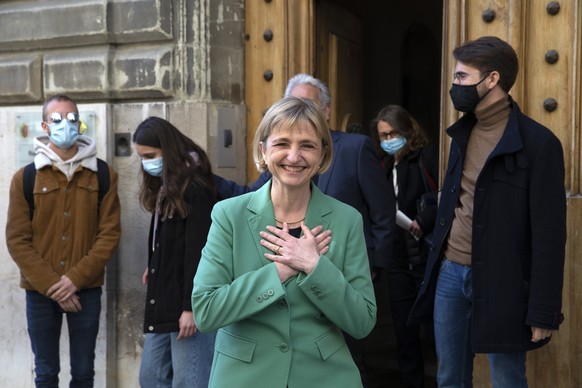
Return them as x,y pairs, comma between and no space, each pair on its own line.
262,214
318,210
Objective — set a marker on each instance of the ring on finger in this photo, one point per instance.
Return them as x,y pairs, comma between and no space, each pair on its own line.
277,250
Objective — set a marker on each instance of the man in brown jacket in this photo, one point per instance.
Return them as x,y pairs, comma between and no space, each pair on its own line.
62,247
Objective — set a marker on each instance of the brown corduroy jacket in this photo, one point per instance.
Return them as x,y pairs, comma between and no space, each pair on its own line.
69,233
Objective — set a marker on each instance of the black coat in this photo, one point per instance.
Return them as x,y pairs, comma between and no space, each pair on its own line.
173,263
356,179
518,236
411,186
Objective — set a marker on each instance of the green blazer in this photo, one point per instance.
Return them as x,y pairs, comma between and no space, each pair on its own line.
282,335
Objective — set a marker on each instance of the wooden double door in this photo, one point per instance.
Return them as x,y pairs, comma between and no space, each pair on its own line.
375,53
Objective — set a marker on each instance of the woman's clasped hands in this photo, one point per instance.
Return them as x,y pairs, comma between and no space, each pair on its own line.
293,255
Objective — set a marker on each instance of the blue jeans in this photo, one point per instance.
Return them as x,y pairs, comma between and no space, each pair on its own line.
452,325
45,319
167,362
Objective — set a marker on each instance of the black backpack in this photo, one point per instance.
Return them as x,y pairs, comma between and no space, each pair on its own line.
30,177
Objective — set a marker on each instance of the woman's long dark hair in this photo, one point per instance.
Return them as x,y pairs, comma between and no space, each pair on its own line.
180,168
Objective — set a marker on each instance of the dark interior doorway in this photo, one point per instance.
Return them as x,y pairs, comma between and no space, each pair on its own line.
400,64
401,57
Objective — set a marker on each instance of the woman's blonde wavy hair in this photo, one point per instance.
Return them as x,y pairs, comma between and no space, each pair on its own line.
289,112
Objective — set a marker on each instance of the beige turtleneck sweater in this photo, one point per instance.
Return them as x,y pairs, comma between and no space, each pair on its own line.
491,123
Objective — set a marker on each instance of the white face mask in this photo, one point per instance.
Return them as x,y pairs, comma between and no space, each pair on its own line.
154,167
64,134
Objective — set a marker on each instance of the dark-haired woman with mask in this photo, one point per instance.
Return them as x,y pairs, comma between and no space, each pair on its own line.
177,188
412,167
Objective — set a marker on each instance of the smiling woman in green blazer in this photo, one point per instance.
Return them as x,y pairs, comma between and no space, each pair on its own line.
279,300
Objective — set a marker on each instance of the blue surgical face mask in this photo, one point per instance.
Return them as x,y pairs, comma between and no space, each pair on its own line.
64,134
153,167
392,146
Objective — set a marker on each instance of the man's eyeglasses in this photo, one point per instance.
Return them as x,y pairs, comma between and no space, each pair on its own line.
460,75
71,117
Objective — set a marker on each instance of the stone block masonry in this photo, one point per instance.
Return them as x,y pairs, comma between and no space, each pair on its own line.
125,60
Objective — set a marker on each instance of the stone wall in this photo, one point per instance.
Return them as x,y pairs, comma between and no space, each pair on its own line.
125,60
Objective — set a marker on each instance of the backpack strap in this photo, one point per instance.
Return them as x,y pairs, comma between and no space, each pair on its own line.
29,179
102,180
28,186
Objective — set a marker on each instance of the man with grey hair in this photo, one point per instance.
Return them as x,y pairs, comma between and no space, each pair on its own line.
323,97
355,176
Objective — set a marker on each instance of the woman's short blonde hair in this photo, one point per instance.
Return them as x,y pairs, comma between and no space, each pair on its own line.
286,113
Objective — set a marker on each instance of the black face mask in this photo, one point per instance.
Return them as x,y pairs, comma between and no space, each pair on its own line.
466,97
